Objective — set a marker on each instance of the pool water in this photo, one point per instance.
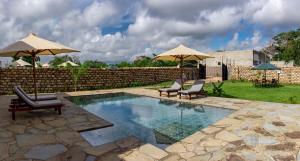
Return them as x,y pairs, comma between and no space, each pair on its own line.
157,121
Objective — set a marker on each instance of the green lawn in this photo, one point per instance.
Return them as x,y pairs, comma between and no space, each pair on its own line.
245,90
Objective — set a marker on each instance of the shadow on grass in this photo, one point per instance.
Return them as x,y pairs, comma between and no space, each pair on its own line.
269,86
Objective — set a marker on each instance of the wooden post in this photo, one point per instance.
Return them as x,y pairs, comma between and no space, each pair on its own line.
238,76
265,76
34,75
181,72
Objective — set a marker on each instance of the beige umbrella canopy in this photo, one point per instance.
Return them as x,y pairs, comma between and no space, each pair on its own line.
65,64
33,45
182,53
46,65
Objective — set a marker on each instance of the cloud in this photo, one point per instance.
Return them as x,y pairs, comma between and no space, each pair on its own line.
206,23
274,12
30,10
166,33
253,42
153,25
187,10
98,13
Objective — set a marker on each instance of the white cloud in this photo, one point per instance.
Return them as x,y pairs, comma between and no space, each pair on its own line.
234,42
187,10
167,33
254,42
97,13
156,25
27,10
274,12
208,22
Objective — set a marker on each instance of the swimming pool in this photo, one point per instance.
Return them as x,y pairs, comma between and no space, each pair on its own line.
157,121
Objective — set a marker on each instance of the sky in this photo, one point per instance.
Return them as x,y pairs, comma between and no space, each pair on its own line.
120,30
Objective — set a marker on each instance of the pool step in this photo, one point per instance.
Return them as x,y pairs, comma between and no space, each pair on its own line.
104,135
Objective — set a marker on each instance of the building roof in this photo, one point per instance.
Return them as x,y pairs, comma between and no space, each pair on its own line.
231,51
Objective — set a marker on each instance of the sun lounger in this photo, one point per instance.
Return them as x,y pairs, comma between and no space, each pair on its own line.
174,88
39,98
196,89
29,105
32,98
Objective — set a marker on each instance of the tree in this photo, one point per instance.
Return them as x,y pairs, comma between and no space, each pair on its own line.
160,63
77,73
76,60
59,60
123,64
94,64
144,61
286,46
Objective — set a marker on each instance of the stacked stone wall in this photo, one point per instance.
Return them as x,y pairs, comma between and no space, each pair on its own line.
288,75
60,80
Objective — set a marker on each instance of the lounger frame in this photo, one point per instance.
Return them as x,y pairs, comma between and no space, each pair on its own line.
168,92
22,104
16,107
197,92
200,93
172,89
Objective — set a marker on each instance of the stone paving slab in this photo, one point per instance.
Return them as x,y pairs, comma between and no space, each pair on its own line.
145,152
44,152
44,135
255,131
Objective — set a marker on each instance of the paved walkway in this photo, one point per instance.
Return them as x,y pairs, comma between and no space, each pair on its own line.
45,135
255,131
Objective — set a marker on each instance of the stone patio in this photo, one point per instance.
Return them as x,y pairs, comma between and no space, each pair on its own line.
44,135
255,131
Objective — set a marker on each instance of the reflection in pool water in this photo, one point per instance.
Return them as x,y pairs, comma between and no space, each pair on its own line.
156,121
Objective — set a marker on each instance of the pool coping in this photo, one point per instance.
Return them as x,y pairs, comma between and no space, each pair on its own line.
160,98
250,117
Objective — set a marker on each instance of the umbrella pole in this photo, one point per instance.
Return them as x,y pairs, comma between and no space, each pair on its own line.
181,72
34,75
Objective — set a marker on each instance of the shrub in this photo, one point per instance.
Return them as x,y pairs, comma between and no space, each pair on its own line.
292,100
217,88
77,73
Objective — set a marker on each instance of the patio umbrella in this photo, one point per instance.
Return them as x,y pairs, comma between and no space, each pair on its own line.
46,65
265,67
33,45
21,63
65,64
180,54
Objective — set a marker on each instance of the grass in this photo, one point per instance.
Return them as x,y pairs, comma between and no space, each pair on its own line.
245,90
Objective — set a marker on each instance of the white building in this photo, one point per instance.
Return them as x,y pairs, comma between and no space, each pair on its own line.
239,58
282,63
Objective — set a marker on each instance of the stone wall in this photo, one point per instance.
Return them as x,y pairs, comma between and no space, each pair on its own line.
59,80
289,75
